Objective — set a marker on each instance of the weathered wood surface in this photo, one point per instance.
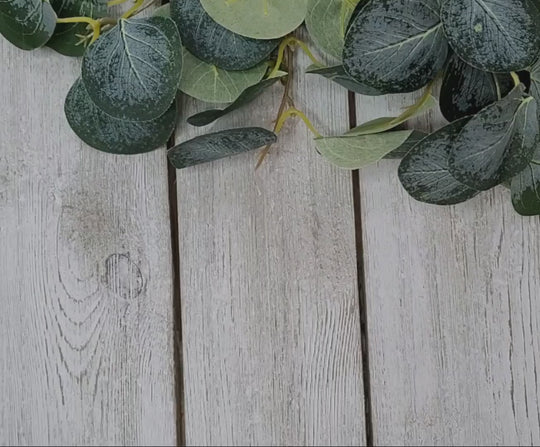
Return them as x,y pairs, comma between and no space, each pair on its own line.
270,318
86,349
453,312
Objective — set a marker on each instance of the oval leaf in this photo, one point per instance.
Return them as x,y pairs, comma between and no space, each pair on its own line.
113,135
208,83
326,22
497,143
466,90
218,145
360,151
214,44
493,35
525,188
395,46
27,24
424,171
259,19
248,95
66,38
133,71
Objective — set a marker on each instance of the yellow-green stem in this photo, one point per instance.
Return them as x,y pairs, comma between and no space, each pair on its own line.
295,112
95,24
289,41
133,9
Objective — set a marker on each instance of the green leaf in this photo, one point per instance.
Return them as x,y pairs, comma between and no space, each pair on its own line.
163,11
525,188
415,138
208,83
27,24
466,90
360,151
248,95
338,75
326,22
395,46
218,145
113,135
426,102
259,19
133,71
214,44
65,39
493,35
497,143
424,171
535,83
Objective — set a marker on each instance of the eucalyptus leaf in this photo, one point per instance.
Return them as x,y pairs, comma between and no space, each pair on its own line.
163,10
218,145
214,44
424,171
493,35
133,71
208,83
415,138
535,83
27,24
113,135
326,22
360,151
497,143
395,46
467,90
338,75
525,188
426,102
247,96
66,38
259,19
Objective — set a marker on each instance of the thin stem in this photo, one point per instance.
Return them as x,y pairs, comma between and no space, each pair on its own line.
133,9
289,42
515,78
95,24
295,112
112,3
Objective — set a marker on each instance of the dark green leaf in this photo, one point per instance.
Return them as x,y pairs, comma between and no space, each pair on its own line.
338,75
248,95
133,71
415,137
526,188
493,35
27,24
395,46
535,83
424,173
65,39
219,145
213,43
497,143
466,90
114,135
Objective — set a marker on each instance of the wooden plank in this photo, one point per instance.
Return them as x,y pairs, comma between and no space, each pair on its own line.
453,312
270,312
86,331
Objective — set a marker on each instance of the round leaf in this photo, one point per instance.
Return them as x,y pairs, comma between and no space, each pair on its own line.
27,24
213,43
133,71
395,46
259,19
208,83
109,134
493,35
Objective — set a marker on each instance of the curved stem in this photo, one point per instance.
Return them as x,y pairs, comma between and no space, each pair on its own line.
515,78
295,112
288,42
112,3
133,9
95,24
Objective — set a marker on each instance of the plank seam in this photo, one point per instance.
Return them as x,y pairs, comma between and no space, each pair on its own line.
361,277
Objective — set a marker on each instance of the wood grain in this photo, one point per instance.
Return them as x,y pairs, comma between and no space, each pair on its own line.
86,351
269,286
453,312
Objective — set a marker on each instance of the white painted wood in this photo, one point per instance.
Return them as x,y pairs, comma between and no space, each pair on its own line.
453,312
86,349
271,332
